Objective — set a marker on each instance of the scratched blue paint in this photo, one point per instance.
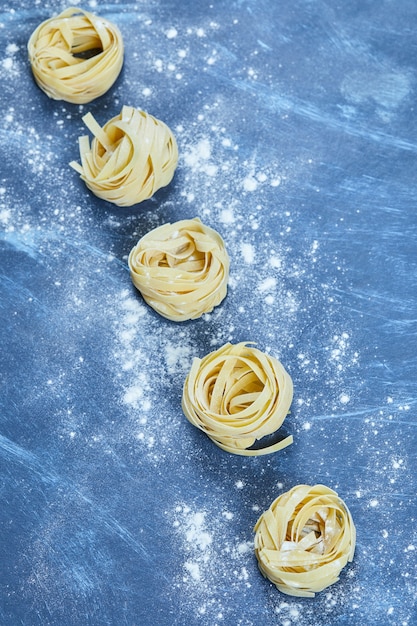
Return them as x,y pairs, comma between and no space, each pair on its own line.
297,132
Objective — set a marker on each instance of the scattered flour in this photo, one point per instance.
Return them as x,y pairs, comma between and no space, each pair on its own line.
248,252
210,553
198,158
171,33
237,196
178,357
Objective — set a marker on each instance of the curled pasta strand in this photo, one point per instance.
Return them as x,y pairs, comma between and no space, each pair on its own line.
237,395
181,269
130,157
304,540
76,56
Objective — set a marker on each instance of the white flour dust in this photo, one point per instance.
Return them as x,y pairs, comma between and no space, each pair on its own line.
210,553
282,294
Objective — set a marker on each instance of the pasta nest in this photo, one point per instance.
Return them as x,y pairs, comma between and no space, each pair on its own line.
130,157
181,269
76,56
237,395
304,540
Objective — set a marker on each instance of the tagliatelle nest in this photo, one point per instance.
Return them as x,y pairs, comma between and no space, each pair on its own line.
237,395
181,269
76,56
304,540
130,158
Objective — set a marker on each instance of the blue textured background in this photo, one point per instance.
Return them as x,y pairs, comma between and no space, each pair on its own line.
296,127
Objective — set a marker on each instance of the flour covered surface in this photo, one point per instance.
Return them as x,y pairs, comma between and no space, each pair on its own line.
296,139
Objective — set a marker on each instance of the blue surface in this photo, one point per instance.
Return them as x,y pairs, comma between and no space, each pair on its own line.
296,126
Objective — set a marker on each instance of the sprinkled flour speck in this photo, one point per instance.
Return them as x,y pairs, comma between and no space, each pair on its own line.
133,395
5,215
195,532
7,63
178,357
197,158
226,216
275,262
267,284
171,33
193,569
248,252
250,183
12,48
244,547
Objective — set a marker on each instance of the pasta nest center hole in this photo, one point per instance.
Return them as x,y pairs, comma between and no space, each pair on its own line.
241,390
87,46
187,257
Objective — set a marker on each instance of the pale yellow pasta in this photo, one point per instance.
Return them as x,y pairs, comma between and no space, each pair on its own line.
76,56
238,395
304,540
181,269
130,157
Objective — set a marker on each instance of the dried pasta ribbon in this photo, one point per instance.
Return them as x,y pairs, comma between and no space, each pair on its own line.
130,157
304,540
237,395
76,56
181,269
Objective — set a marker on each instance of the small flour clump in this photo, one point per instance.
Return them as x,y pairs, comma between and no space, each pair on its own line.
199,557
134,368
198,158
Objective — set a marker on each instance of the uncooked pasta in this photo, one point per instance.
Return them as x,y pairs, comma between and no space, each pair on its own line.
75,56
238,395
304,540
130,157
181,269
